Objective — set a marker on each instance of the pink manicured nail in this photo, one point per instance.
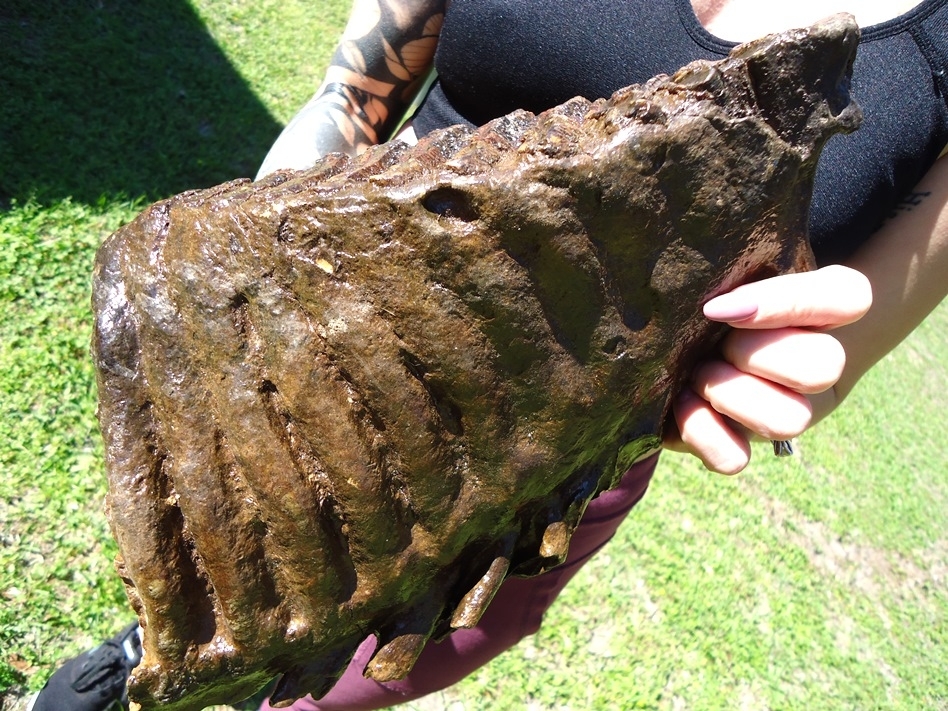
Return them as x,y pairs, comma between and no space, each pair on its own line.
730,307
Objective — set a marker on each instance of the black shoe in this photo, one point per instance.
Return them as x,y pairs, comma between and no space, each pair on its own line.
95,680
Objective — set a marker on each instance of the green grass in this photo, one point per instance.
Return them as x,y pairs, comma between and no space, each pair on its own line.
100,101
55,539
819,581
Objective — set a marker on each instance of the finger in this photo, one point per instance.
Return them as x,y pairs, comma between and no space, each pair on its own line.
765,408
801,360
826,298
705,434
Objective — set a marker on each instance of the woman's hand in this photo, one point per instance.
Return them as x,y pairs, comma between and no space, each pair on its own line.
777,357
800,342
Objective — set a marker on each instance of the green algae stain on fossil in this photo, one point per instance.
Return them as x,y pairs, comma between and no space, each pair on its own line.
353,400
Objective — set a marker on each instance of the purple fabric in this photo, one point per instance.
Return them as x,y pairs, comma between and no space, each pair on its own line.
516,611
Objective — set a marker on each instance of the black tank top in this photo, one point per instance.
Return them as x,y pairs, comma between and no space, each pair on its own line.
495,56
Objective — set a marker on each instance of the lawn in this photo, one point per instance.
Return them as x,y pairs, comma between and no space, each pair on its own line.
818,581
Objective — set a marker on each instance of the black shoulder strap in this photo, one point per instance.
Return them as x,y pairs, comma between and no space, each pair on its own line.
931,36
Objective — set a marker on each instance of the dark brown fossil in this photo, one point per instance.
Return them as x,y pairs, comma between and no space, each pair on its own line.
351,401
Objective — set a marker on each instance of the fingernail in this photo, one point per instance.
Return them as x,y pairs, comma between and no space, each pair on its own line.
730,307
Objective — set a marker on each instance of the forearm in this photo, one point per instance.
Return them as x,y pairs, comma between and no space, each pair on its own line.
385,53
906,263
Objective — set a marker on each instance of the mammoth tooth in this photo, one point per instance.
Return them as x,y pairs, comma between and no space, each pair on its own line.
332,399
142,507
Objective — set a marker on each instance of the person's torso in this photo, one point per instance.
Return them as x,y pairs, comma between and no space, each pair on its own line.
495,56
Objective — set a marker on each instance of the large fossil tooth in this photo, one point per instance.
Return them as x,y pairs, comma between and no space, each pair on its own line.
351,401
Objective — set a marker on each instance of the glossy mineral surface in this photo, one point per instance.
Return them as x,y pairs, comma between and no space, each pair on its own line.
353,400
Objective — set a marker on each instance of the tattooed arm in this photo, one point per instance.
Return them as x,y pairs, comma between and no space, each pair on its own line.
382,60
906,262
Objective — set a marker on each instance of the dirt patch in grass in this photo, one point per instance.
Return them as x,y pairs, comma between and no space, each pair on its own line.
866,568
884,607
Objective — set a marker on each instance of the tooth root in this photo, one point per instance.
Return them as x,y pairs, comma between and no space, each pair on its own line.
395,659
555,543
475,602
315,679
286,691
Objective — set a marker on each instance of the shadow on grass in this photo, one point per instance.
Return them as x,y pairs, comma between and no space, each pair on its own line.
119,98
